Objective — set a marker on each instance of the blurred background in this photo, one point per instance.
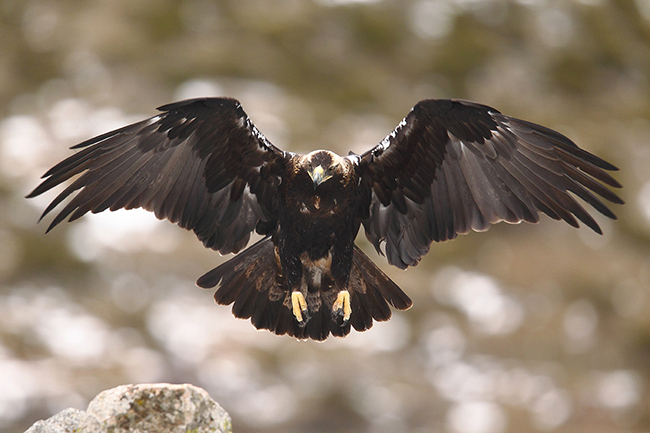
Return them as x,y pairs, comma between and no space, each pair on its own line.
528,328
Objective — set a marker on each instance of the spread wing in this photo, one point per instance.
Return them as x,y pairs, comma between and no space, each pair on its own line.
201,163
451,166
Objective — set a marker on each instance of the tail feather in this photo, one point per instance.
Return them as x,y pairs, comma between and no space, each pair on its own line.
317,326
375,277
252,281
380,309
245,301
265,311
361,319
339,328
230,289
373,290
284,323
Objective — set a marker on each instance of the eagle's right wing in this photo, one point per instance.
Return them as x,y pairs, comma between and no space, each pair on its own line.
201,163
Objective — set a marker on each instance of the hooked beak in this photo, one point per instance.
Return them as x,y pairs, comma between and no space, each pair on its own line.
318,176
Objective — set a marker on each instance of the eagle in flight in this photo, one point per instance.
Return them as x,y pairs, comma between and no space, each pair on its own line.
449,167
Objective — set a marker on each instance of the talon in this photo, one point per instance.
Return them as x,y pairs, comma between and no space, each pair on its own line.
342,305
299,306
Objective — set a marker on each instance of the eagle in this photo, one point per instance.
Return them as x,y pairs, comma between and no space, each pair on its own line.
450,166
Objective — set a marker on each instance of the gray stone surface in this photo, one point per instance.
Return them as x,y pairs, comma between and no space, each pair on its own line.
65,421
142,408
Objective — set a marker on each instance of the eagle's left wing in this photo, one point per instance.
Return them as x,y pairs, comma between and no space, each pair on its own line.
451,166
200,163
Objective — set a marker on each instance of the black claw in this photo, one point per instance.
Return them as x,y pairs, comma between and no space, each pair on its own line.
339,317
305,318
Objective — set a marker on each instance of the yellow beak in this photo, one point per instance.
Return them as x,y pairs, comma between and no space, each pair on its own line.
318,175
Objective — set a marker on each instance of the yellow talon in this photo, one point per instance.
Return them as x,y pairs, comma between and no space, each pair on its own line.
343,303
299,305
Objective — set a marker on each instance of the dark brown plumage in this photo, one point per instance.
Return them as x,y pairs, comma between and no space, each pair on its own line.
448,167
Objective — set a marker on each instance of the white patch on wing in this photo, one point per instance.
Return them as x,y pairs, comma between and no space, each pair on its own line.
385,143
354,159
265,143
246,123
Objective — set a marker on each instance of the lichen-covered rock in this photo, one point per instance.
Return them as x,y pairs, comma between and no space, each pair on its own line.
142,408
66,421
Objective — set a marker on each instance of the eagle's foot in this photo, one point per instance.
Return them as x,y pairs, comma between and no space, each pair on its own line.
341,309
299,307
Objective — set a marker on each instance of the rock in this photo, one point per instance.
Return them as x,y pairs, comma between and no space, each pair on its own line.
65,421
142,408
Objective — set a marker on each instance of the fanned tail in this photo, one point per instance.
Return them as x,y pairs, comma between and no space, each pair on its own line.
252,281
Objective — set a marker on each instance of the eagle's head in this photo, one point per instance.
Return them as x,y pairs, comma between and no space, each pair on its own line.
323,165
